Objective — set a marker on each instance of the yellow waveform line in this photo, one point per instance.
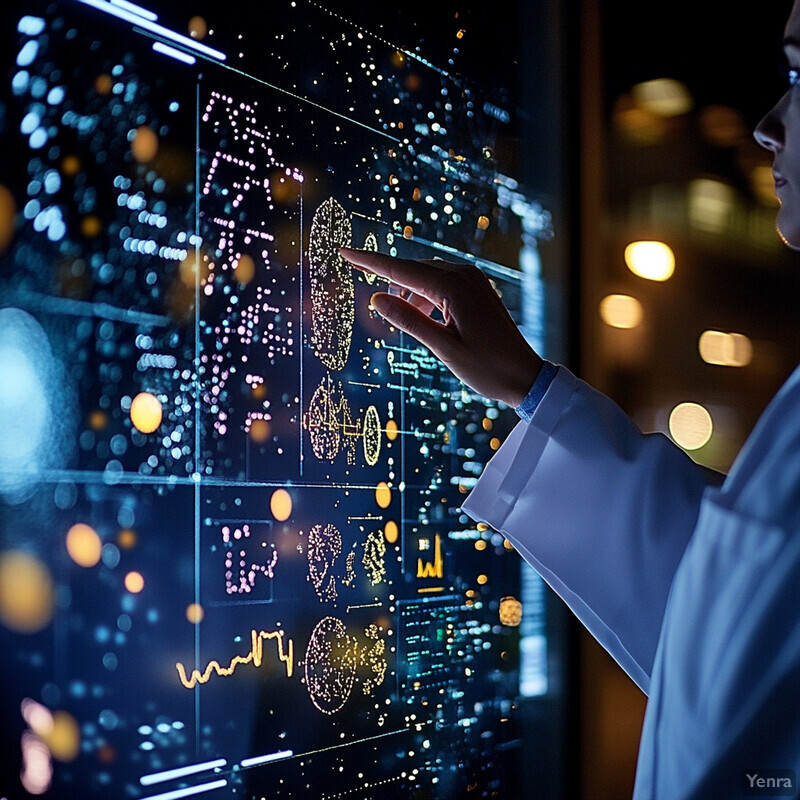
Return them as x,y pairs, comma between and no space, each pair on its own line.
433,569
255,656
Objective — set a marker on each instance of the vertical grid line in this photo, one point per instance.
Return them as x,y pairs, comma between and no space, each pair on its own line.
402,402
197,438
301,337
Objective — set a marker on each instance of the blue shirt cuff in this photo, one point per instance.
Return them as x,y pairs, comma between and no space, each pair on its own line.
543,380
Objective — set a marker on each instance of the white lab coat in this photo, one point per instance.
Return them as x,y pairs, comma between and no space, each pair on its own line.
694,589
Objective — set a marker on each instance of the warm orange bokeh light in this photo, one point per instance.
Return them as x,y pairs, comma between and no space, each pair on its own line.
280,504
8,213
146,412
144,145
390,531
26,592
134,582
383,495
84,545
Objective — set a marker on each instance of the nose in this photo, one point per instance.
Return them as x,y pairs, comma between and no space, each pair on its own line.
769,133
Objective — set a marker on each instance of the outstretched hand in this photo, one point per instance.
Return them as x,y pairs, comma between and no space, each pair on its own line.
476,339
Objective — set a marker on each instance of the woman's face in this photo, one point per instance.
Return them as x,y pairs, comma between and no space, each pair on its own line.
779,132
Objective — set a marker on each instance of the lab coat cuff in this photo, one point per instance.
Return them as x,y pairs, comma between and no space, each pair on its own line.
537,391
498,489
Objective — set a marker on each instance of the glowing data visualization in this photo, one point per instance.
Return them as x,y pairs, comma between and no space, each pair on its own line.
232,556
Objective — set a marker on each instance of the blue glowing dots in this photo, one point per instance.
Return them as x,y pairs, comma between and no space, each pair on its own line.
27,391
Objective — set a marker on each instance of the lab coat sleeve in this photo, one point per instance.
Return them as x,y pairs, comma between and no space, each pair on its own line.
600,510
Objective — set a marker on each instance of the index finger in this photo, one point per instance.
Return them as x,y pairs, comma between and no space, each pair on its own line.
418,276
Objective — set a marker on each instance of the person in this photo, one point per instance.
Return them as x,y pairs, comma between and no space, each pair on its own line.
690,579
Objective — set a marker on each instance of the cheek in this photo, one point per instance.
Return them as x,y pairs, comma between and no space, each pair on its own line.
791,123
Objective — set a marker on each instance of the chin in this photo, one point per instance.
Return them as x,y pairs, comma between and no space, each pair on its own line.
789,231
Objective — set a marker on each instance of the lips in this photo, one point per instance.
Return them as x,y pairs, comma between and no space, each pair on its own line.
779,180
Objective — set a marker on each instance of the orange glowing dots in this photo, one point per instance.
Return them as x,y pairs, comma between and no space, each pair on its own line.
460,34
64,737
91,226
723,126
482,579
391,430
390,531
621,311
198,27
383,495
282,190
134,582
195,613
280,505
398,58
416,194
487,424
106,754
483,222
70,166
98,420
510,611
103,84
636,123
494,443
193,265
26,592
245,268
408,232
144,144
8,213
653,261
84,545
480,544
146,412
259,430
690,425
127,539
413,82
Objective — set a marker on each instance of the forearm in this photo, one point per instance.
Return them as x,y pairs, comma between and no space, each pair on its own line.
601,510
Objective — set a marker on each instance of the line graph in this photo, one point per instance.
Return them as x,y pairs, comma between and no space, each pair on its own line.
255,656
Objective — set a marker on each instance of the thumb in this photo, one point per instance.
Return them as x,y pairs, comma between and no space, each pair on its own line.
411,320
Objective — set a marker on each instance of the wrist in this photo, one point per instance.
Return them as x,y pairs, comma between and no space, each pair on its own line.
539,387
524,379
